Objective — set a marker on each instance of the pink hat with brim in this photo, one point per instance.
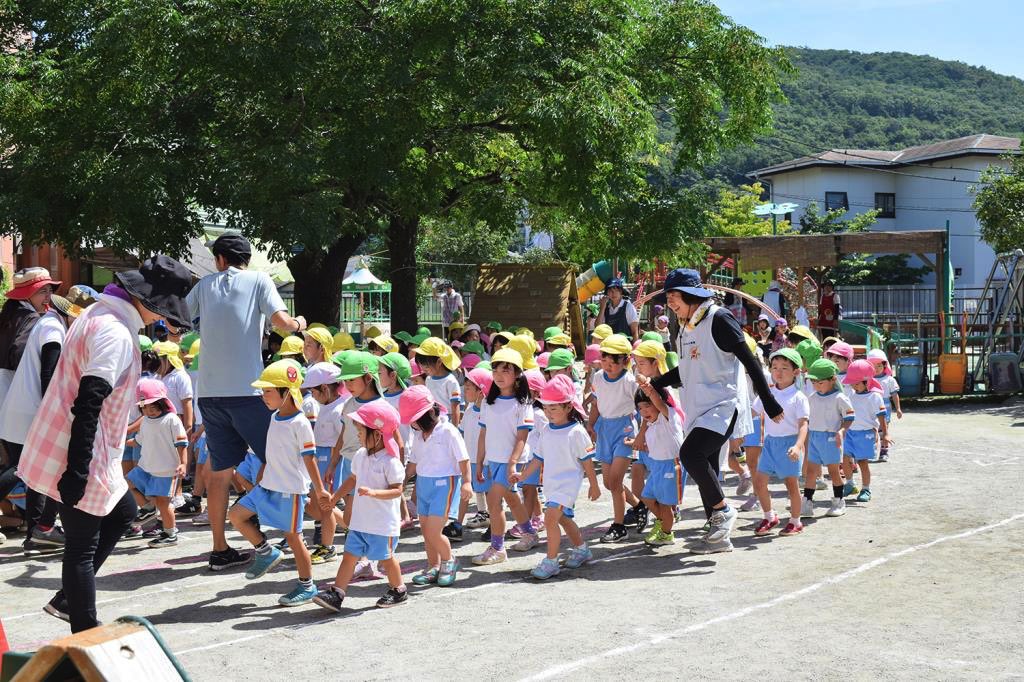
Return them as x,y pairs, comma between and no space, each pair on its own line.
592,353
415,369
149,391
28,281
560,390
414,402
535,379
862,370
380,416
542,360
481,378
842,349
879,355
470,361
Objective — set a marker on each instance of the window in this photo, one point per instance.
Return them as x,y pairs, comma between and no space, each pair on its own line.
834,200
885,204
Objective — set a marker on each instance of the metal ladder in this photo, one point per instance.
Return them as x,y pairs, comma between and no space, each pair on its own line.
1006,303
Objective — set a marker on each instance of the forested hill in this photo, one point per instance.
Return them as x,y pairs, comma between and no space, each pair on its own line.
892,100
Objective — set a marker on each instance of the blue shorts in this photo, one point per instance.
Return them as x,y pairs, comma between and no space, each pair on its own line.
17,495
477,486
753,440
665,481
859,445
233,426
282,511
888,412
153,486
323,460
644,458
249,469
775,460
534,478
202,452
497,474
438,496
610,435
822,448
346,471
370,545
566,511
132,453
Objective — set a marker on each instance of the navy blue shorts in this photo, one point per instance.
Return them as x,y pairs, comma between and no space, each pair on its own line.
233,425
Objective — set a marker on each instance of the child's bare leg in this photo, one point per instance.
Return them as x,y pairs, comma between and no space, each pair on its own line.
393,571
199,489
515,505
761,490
531,501
753,454
140,499
463,510
637,478
240,517
572,531
865,473
344,575
613,483
303,564
126,466
552,517
494,497
835,475
163,505
434,540
795,497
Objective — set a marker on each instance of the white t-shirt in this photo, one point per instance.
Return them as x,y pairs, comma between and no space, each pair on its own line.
160,438
378,471
829,410
540,420
350,438
562,448
327,428
289,439
867,407
439,455
501,422
446,391
25,394
631,313
794,406
614,396
889,386
310,408
197,416
179,388
664,436
393,400
471,431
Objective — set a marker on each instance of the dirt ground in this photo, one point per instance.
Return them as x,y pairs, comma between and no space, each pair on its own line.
922,582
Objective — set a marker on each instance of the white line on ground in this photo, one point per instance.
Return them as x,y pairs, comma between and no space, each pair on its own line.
564,668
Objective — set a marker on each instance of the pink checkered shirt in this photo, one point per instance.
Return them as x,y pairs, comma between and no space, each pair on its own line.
45,455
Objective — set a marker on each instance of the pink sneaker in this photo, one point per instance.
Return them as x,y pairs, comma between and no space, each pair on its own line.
407,524
490,556
767,525
366,570
514,532
537,523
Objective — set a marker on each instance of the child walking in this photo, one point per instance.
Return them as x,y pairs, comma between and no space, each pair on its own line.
478,384
377,477
868,423
611,422
831,414
506,419
440,463
157,477
322,381
784,442
439,361
281,494
530,484
650,363
666,479
567,455
890,392
395,374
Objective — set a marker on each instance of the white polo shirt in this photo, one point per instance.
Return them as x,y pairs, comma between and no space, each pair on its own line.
289,440
501,422
795,407
378,471
829,410
440,454
445,390
470,425
614,396
867,407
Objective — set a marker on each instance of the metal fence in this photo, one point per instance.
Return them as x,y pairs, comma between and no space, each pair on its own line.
871,304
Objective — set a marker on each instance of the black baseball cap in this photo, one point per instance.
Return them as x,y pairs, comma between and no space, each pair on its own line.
231,244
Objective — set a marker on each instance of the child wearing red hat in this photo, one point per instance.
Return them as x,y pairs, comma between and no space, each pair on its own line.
868,423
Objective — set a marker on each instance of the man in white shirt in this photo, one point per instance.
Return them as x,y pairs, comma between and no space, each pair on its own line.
230,308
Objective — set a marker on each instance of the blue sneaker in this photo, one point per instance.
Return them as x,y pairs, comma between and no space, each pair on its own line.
263,563
578,557
848,489
300,595
545,569
865,495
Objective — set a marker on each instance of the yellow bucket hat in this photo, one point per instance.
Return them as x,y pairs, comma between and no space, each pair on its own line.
291,345
169,350
373,331
616,344
526,347
433,347
507,355
601,332
560,339
317,325
343,341
282,374
803,331
323,337
653,350
386,343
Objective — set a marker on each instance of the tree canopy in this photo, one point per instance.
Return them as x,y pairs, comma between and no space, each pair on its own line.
309,125
1000,205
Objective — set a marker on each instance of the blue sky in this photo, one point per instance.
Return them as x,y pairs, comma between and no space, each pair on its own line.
987,33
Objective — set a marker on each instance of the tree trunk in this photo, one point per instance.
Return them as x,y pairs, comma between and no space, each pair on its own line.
402,233
318,277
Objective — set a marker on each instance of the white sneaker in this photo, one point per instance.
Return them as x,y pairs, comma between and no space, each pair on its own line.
3,538
721,525
479,520
745,486
807,509
838,507
710,547
526,543
201,519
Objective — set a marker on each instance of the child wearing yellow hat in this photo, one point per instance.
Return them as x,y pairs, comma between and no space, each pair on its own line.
290,473
611,423
179,385
318,345
437,359
650,362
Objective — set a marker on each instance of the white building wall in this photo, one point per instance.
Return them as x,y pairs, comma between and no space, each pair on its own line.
922,203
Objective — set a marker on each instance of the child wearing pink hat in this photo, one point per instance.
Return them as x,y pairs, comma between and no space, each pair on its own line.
840,353
868,423
440,463
530,484
890,391
377,478
478,383
566,452
158,474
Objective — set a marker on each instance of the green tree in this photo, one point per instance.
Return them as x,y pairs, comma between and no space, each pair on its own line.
999,203
734,215
310,125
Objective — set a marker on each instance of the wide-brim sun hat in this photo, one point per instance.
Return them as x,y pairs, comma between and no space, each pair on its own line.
27,282
686,280
160,285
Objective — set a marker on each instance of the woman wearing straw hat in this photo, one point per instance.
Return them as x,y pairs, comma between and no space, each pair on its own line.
74,444
38,362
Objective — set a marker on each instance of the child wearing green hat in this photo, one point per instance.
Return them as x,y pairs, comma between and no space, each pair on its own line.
831,415
784,442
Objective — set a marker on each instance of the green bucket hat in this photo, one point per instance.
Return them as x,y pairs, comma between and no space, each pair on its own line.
474,347
493,326
399,364
822,369
560,359
790,355
552,331
358,363
486,364
809,350
186,342
651,336
419,339
402,336
423,330
672,359
145,343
